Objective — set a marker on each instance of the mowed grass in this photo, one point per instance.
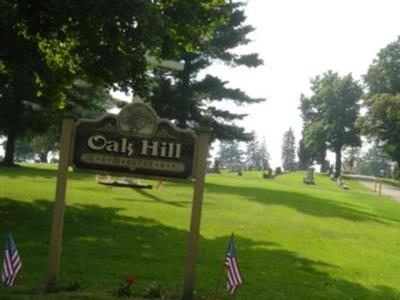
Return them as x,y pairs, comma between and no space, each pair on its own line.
293,241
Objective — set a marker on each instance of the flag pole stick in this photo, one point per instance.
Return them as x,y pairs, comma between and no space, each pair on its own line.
221,273
219,281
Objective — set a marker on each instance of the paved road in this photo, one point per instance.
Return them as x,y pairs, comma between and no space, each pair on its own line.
369,181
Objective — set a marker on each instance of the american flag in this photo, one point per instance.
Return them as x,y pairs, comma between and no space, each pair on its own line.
234,277
11,263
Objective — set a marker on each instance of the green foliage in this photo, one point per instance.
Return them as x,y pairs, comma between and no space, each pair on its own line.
382,120
383,75
314,142
330,113
257,156
288,153
50,45
194,100
46,142
374,163
24,150
230,156
351,157
305,157
124,290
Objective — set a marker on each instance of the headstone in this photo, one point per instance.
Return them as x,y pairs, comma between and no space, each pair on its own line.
214,168
268,174
330,170
342,184
309,179
278,171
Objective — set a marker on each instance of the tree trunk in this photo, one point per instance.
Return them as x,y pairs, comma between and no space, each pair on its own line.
10,146
322,168
397,174
338,165
43,157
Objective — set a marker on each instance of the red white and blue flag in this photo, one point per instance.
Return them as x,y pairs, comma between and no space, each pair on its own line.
11,263
234,277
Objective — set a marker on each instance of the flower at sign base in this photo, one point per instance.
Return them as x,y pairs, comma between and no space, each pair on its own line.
131,280
125,289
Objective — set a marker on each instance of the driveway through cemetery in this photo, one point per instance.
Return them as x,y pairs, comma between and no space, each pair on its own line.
369,181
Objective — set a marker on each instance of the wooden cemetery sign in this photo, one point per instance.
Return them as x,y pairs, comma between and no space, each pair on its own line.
135,142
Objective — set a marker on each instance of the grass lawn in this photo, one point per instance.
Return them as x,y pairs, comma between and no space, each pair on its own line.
293,241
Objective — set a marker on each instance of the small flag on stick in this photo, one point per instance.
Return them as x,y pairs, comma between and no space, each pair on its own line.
234,277
11,263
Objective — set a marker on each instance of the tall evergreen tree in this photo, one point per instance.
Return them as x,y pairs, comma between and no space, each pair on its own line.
253,159
257,156
230,155
265,156
192,99
288,154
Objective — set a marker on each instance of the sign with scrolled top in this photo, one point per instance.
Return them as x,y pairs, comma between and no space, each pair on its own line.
134,142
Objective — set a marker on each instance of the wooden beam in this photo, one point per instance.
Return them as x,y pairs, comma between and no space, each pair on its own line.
59,204
200,171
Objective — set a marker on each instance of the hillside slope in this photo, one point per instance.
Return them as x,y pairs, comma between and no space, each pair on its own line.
294,241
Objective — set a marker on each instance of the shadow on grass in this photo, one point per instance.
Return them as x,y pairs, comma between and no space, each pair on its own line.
101,247
304,203
149,197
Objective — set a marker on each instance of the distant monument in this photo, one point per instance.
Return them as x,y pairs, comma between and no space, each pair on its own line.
309,179
268,174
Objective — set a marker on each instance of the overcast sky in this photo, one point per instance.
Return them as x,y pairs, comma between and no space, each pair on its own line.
299,40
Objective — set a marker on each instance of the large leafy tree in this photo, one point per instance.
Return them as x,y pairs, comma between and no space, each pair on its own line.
288,153
351,157
192,98
49,44
305,156
312,146
382,119
24,151
330,113
90,102
374,162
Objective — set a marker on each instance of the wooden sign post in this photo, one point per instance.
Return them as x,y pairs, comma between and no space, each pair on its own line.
200,170
59,204
134,142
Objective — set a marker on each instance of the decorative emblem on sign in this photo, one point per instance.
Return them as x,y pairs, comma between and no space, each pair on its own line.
135,141
139,120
